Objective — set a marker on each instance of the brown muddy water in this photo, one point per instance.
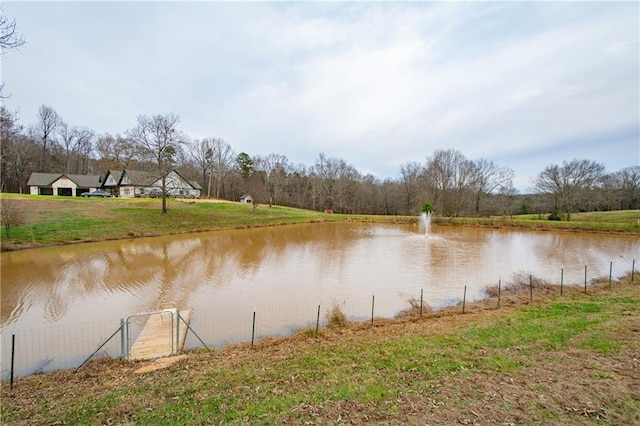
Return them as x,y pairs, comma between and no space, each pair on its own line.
283,273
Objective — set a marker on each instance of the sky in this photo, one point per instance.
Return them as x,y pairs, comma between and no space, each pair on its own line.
376,84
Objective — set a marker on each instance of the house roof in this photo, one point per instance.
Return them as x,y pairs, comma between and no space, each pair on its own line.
142,178
86,181
136,177
192,183
117,175
43,179
47,179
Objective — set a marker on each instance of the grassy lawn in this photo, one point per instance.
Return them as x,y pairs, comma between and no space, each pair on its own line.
625,221
51,220
566,360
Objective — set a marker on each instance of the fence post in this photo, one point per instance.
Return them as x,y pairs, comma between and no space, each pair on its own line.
421,300
633,269
373,303
194,333
318,321
119,330
123,352
610,272
13,352
561,280
177,332
530,288
253,329
127,327
585,279
464,299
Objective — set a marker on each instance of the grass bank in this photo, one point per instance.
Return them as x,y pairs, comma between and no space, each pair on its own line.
49,220
627,221
564,360
621,221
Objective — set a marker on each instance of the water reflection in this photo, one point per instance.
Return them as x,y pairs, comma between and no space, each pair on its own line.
111,280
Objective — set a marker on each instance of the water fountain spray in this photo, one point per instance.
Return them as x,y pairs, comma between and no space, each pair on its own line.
427,208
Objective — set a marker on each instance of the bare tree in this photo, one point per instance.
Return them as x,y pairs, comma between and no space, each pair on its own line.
9,131
44,132
299,186
222,159
83,149
324,181
159,139
9,38
275,168
489,177
370,199
335,185
410,174
629,185
10,215
200,153
215,159
347,187
77,146
504,200
115,151
390,197
567,182
449,176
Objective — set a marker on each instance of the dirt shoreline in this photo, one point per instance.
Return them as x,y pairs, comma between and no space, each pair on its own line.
6,247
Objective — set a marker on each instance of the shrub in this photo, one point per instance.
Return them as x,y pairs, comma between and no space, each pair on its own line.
11,215
414,310
336,318
310,332
521,283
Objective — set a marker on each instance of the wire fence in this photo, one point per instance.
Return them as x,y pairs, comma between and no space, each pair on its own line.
27,352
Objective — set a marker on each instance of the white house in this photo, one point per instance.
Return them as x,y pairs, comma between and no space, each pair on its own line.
136,183
119,183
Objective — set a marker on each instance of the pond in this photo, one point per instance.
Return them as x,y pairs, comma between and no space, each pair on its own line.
284,273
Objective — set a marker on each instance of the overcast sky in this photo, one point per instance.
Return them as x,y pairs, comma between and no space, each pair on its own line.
378,84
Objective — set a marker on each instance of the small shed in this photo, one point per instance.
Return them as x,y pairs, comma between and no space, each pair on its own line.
246,199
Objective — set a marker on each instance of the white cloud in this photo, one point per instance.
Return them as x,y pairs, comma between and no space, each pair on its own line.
376,84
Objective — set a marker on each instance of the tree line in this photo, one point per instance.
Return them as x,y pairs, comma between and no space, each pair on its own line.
452,183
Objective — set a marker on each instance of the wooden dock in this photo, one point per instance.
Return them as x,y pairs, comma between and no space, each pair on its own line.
155,339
